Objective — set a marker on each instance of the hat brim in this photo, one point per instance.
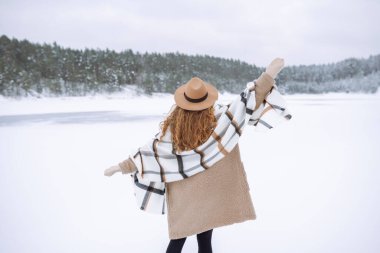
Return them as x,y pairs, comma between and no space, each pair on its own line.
181,101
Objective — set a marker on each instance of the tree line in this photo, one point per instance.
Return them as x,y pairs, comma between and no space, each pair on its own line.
32,68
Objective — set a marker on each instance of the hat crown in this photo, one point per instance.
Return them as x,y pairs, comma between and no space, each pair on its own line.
195,88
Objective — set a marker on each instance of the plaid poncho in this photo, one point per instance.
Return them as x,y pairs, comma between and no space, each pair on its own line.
158,163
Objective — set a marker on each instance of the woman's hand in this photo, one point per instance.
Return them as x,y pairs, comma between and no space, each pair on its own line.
112,170
275,67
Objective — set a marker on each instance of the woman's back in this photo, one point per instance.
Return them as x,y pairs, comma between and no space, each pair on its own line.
216,197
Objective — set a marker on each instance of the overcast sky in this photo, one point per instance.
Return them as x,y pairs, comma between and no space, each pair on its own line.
302,32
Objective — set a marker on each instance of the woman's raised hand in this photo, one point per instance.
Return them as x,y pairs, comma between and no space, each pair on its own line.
275,67
112,170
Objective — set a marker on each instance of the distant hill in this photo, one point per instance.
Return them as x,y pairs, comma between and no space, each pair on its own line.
33,69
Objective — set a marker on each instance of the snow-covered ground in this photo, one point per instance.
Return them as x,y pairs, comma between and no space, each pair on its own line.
320,194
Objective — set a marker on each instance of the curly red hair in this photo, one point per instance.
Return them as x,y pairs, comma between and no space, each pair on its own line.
189,129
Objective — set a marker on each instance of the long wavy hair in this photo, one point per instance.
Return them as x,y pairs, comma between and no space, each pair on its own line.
189,129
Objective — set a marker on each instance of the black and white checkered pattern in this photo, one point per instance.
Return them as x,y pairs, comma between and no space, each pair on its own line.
157,162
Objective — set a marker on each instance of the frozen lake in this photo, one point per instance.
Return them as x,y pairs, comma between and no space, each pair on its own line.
321,194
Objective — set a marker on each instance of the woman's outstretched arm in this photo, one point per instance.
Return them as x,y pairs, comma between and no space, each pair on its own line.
266,80
125,167
263,85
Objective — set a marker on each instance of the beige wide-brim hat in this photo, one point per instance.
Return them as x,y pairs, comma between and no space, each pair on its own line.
195,95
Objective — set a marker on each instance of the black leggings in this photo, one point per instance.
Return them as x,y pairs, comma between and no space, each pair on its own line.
204,243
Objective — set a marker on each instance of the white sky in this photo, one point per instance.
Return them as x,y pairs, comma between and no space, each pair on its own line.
302,32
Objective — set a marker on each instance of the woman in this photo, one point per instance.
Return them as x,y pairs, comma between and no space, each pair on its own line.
219,195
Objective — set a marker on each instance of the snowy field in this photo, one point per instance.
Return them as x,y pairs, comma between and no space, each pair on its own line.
320,194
